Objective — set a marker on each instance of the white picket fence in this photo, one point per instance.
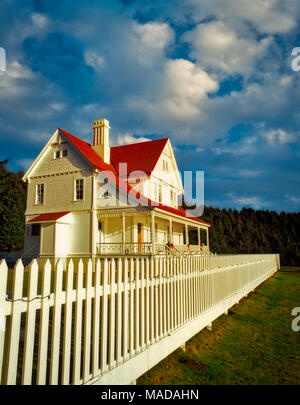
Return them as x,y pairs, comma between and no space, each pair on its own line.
108,321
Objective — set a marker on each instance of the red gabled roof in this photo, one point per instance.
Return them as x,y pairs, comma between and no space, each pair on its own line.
53,216
141,156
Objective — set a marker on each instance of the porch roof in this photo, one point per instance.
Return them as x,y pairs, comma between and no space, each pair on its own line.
51,216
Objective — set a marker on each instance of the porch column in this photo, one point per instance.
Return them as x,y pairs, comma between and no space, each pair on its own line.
123,232
199,237
207,239
153,231
186,234
171,230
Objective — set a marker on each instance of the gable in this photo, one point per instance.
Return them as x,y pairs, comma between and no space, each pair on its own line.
166,168
48,164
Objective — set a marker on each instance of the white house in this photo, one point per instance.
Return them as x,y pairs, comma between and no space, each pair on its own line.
88,200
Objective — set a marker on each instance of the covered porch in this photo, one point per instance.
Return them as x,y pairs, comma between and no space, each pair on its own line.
149,232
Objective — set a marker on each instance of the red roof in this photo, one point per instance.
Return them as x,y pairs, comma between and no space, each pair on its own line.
88,152
139,157
53,216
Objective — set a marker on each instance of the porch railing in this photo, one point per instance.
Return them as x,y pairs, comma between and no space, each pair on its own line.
145,248
128,248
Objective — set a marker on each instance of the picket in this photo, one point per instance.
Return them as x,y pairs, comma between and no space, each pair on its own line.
44,324
78,324
67,325
56,324
30,323
15,325
3,286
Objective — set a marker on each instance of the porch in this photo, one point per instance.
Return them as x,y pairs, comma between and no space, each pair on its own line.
149,232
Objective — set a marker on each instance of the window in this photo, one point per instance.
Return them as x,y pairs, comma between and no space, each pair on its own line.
35,229
160,194
165,165
100,226
64,153
172,197
79,189
57,154
40,194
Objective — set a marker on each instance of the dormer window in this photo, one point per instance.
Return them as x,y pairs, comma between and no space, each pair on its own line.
57,154
65,153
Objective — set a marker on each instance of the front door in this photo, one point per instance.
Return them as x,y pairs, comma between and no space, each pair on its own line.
140,237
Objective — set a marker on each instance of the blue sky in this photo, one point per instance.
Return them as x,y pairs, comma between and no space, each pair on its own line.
214,76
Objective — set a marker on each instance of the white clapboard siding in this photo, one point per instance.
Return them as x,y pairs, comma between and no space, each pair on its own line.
103,327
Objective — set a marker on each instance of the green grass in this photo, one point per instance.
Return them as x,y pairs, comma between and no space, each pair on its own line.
254,344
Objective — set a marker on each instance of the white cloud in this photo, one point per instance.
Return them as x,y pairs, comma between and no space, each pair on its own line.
93,59
267,16
179,92
293,199
40,20
149,40
244,201
217,46
278,135
128,139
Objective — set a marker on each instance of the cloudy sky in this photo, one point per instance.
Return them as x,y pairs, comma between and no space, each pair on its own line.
214,76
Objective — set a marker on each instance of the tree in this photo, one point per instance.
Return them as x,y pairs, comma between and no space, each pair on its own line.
12,208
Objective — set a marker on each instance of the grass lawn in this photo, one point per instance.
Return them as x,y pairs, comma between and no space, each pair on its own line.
254,344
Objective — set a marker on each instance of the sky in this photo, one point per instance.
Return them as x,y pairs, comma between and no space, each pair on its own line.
214,76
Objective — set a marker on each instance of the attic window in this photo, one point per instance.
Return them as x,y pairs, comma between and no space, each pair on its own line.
64,153
57,154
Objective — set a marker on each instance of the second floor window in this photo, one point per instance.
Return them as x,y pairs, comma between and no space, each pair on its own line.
79,189
40,193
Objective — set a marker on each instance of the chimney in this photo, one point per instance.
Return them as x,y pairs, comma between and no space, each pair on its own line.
101,139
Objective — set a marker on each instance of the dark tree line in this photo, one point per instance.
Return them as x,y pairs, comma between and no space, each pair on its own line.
12,208
232,231
254,231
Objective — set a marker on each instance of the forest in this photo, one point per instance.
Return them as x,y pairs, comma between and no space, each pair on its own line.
232,231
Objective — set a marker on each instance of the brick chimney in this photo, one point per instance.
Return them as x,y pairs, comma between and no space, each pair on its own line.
101,139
